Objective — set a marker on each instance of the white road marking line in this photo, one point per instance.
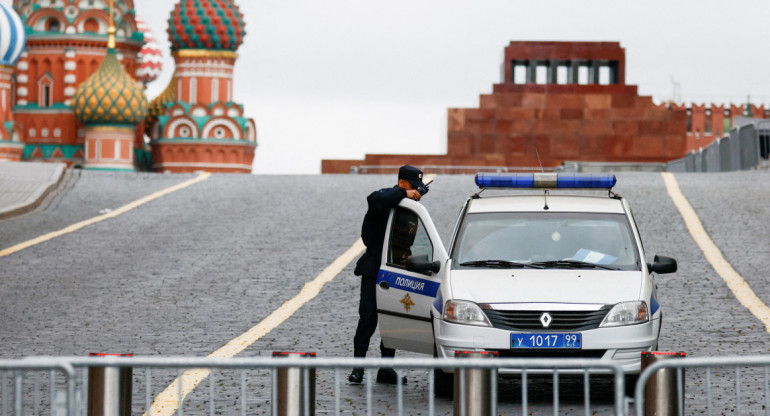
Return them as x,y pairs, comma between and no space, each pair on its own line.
166,403
734,281
99,218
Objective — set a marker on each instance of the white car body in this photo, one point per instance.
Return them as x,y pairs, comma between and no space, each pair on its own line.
411,304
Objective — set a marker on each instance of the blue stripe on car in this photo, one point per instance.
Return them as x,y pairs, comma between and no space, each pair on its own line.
408,283
654,306
439,303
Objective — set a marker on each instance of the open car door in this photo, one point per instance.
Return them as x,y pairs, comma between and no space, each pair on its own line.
408,281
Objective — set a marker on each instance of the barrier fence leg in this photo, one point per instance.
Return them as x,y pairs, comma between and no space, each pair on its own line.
473,387
294,387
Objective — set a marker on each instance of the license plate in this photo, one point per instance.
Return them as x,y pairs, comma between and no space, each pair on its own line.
546,341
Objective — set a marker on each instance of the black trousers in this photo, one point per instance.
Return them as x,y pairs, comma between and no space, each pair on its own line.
367,319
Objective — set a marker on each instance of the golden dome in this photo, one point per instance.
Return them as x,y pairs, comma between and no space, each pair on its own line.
110,96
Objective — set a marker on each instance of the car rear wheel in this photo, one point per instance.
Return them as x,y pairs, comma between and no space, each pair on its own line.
630,384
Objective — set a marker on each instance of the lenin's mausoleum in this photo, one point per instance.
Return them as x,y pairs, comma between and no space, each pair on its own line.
72,80
566,101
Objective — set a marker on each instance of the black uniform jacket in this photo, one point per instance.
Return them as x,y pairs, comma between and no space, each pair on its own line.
373,229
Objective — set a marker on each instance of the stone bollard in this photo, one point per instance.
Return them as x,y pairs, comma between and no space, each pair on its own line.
475,388
661,396
294,388
109,389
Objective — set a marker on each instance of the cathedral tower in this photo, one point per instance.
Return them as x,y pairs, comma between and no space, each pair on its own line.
12,39
66,42
195,123
110,104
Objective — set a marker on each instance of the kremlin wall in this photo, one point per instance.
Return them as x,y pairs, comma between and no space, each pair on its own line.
72,81
570,102
73,75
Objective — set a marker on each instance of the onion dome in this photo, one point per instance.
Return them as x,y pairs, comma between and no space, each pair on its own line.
12,36
151,55
206,24
110,96
158,105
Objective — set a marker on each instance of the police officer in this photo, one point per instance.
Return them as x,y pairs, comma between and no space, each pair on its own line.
373,234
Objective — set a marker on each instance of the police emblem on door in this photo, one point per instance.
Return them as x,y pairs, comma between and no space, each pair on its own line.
407,301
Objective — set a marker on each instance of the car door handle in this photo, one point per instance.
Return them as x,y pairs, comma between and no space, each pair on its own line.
384,285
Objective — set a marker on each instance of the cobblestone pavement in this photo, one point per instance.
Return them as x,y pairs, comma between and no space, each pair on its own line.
188,272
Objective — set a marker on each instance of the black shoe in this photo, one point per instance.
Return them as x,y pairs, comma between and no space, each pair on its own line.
357,376
388,376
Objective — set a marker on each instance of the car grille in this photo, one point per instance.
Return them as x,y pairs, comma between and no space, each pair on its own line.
562,320
559,353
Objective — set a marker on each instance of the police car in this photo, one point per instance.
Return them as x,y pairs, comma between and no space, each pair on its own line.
543,274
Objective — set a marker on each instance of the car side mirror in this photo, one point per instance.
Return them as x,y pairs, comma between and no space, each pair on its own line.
662,265
420,264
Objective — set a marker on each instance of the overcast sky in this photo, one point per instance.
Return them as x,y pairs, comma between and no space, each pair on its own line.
341,78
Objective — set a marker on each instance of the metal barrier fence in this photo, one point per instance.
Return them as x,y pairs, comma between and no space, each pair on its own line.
737,385
14,399
248,385
58,385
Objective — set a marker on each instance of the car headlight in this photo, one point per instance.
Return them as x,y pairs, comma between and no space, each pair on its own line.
627,313
465,312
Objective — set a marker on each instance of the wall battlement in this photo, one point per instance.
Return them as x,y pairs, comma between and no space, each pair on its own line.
707,122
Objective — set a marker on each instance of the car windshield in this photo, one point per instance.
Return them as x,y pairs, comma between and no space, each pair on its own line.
546,240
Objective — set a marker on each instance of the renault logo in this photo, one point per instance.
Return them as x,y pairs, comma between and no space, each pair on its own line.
546,319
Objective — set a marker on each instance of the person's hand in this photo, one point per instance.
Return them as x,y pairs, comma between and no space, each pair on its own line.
413,194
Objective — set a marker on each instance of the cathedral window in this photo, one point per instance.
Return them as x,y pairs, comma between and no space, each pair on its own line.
45,91
53,25
46,96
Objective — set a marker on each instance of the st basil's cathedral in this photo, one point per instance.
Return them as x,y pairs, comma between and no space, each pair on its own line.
73,75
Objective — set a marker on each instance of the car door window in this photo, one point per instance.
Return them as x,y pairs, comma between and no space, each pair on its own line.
408,237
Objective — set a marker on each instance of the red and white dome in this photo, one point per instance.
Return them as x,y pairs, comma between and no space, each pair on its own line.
206,24
151,55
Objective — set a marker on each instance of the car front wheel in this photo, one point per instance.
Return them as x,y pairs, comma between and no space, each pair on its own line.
443,383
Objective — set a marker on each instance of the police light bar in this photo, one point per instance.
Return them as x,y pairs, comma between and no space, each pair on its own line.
546,180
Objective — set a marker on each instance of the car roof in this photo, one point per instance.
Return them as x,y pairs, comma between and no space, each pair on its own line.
556,203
